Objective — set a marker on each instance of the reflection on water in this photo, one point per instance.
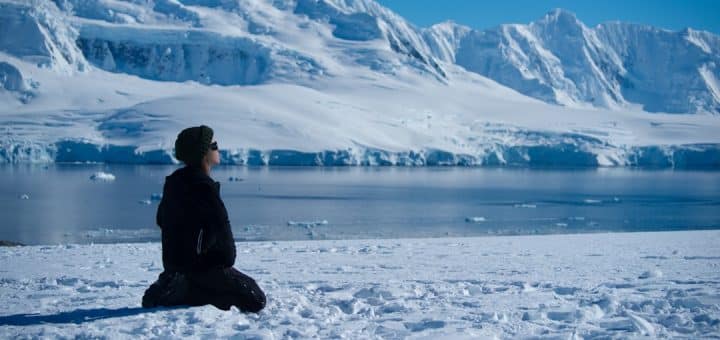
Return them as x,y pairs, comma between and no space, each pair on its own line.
60,204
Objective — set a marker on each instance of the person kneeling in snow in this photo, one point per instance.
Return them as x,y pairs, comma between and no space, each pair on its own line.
198,249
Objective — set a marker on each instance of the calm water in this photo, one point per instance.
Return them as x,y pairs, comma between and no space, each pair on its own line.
63,205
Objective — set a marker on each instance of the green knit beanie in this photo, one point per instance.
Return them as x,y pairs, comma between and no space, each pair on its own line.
192,144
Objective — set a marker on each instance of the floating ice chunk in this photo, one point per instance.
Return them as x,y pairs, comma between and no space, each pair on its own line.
24,197
474,219
561,224
235,179
650,274
526,205
145,202
309,224
591,201
155,196
102,176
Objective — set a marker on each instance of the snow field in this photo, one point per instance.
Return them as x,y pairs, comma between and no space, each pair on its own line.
589,285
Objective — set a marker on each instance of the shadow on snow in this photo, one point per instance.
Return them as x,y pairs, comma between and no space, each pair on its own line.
77,316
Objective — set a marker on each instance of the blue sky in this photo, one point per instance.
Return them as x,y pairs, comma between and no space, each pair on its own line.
481,14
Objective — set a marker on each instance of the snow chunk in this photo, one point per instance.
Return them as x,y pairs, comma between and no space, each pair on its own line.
655,273
10,78
642,325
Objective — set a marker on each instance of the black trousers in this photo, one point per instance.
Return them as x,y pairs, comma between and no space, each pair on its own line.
220,287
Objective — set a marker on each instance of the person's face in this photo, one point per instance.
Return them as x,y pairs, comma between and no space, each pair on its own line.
213,156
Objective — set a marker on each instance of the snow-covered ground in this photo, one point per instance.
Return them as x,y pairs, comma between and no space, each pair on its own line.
558,286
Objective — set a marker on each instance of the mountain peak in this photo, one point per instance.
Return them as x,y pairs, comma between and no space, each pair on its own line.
561,18
559,14
449,26
446,23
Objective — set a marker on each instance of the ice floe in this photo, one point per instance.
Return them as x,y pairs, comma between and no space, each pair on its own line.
102,177
307,224
525,205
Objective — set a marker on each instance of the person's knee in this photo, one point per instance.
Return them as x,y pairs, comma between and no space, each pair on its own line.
255,306
261,301
255,302
250,298
149,299
168,290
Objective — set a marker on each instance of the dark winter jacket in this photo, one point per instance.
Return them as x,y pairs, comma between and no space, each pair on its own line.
196,233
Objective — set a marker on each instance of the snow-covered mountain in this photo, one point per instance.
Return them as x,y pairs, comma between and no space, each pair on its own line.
558,59
342,82
239,42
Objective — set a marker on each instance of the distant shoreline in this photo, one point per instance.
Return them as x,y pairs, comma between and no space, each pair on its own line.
701,156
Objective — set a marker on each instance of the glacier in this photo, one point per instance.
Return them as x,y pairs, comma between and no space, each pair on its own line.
349,82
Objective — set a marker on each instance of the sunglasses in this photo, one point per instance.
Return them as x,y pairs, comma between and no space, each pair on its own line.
213,146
